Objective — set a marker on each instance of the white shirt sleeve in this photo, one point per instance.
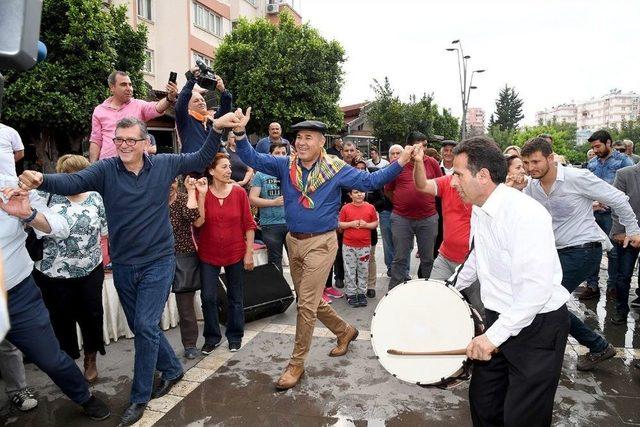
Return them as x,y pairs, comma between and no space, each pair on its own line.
532,275
59,226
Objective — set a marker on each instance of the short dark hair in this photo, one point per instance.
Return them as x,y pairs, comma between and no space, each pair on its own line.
483,153
129,122
415,136
600,135
111,80
536,144
374,149
510,159
545,135
275,145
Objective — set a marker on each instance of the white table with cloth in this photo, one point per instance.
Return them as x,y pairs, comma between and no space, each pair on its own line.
115,322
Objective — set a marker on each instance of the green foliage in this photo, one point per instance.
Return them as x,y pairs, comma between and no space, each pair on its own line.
563,134
85,41
286,73
628,130
508,110
392,119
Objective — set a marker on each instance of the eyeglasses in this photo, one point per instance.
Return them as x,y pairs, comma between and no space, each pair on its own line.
129,141
621,149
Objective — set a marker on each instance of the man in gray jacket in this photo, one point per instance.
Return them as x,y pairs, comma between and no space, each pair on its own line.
628,181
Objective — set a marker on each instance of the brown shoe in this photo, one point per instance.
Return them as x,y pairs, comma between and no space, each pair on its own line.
343,342
589,293
612,294
90,368
290,377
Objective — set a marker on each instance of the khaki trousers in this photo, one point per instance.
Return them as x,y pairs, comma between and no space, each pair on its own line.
310,261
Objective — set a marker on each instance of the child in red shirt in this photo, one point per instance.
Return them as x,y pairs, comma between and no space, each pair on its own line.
357,219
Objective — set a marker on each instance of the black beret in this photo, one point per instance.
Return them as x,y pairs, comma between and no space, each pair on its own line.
310,125
448,142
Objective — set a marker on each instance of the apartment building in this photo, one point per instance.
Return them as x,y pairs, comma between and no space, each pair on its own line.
475,121
563,113
609,110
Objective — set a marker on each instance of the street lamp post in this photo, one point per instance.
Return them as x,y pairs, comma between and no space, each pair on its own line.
465,89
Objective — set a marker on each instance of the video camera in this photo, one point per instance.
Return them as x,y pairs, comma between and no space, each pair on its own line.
207,78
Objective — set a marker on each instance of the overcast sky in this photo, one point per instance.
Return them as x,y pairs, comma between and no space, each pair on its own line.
552,51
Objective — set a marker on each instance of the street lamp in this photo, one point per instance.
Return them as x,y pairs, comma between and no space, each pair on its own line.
465,89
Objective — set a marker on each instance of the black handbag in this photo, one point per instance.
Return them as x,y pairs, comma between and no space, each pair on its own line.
35,246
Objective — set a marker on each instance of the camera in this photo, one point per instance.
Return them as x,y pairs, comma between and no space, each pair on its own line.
207,78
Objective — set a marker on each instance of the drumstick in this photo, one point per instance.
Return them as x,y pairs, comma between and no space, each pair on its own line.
458,352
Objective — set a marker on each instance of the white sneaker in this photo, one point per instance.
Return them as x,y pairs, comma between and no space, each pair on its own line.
24,400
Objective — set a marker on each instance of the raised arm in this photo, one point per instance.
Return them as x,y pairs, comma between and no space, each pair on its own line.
420,180
182,105
66,184
365,181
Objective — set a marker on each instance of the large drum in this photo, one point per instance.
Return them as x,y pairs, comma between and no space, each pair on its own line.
420,317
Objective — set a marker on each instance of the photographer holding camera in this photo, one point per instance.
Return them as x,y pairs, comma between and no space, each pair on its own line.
119,105
193,121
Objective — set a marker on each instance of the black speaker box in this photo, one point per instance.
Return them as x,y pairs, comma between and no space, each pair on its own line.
266,293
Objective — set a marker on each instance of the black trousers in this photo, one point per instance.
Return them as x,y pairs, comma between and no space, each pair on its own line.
75,300
518,385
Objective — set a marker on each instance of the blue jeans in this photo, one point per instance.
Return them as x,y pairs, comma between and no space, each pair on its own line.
274,237
603,219
31,333
577,265
404,229
387,238
626,259
143,290
209,294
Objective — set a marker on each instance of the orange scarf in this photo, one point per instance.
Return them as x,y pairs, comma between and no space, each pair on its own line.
203,118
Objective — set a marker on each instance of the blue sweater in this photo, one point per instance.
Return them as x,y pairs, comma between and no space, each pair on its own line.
191,131
324,216
137,206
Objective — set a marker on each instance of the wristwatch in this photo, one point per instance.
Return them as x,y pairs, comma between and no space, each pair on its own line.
239,134
31,217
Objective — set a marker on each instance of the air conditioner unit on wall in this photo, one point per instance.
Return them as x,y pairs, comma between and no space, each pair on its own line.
273,8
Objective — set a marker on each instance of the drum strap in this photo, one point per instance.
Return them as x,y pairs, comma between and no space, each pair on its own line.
452,281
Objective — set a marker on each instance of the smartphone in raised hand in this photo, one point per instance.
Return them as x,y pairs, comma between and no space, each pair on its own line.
173,76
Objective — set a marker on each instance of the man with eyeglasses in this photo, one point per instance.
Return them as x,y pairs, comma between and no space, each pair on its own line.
135,190
119,105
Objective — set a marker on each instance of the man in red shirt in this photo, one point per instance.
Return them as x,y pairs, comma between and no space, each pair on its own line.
414,214
456,216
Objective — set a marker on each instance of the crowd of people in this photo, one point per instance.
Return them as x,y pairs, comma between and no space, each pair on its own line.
173,222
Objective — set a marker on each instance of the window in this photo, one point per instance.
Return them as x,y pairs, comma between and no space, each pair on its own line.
144,9
148,61
205,59
252,2
207,20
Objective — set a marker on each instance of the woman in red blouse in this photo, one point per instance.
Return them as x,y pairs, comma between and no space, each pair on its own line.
225,240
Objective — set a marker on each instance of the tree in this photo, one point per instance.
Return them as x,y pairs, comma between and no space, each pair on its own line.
508,110
386,115
392,119
286,73
51,104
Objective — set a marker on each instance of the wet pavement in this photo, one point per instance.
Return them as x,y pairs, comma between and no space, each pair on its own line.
236,389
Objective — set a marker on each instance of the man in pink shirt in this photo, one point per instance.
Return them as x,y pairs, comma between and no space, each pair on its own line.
456,215
119,105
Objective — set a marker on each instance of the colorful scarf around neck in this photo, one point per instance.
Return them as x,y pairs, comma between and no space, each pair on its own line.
203,118
322,171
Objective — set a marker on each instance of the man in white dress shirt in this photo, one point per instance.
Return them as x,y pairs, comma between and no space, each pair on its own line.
519,357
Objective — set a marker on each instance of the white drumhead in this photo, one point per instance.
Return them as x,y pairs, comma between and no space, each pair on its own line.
421,315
